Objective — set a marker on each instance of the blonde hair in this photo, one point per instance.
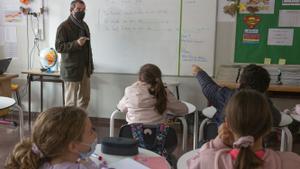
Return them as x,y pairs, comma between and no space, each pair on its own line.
53,131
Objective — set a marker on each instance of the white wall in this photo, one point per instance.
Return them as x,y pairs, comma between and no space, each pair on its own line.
107,89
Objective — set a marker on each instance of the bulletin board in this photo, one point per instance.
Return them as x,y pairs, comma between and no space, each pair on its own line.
271,34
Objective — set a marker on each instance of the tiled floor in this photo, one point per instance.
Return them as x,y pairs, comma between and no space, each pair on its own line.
9,137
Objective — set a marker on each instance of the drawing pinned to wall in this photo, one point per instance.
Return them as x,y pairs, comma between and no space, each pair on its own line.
257,6
281,37
13,17
289,18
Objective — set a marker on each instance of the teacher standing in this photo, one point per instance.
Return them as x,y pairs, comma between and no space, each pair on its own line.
73,42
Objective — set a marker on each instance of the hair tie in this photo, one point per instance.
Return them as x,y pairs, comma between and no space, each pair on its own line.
36,150
245,142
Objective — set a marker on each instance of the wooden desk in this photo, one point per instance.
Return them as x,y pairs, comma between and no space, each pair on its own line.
273,90
38,75
5,81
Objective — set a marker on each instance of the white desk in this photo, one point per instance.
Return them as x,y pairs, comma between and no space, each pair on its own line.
173,84
296,117
181,163
7,102
191,109
115,158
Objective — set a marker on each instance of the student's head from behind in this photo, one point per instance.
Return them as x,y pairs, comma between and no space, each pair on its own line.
77,9
62,133
151,74
248,116
255,77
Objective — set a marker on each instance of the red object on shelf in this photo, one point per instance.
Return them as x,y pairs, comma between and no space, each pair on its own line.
26,2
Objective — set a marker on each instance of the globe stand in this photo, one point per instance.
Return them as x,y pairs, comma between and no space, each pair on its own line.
48,70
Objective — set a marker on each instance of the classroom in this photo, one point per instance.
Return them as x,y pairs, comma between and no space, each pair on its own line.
182,38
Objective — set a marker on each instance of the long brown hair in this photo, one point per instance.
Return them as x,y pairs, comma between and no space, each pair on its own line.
248,114
53,131
151,74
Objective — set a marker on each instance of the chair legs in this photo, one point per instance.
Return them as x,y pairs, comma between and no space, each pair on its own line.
184,132
21,121
112,123
286,139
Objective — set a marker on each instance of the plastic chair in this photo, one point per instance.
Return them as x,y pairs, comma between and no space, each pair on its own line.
286,135
181,119
7,102
286,142
150,139
208,128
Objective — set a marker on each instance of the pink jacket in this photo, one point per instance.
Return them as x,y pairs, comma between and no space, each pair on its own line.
138,104
214,155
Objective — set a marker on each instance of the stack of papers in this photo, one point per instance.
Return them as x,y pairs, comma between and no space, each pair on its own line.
274,74
127,163
290,76
228,73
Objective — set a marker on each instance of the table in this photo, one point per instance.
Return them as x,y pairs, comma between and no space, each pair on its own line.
7,102
114,158
173,84
5,81
181,163
38,75
191,109
273,89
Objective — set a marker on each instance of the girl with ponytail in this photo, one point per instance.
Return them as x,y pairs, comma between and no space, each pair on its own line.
147,100
239,142
62,138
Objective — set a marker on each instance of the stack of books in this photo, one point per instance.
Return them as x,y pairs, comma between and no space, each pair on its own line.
274,74
290,76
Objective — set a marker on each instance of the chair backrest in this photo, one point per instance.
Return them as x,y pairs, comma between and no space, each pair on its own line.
150,133
209,127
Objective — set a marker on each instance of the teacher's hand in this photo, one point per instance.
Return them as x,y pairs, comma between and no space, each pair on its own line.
81,41
196,69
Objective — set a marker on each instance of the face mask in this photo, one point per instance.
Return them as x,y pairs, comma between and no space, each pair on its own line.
84,155
79,15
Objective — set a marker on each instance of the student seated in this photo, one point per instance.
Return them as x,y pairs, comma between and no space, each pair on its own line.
239,142
253,77
62,138
147,100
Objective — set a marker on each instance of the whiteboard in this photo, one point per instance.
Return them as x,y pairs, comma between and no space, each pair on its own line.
125,34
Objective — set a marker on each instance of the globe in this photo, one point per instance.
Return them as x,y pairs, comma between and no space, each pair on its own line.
48,58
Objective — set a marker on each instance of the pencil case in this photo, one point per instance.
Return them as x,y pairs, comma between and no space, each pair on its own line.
119,146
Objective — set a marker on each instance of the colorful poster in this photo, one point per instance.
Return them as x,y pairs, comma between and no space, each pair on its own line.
251,36
290,2
257,6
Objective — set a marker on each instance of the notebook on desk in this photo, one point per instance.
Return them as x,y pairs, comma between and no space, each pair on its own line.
4,63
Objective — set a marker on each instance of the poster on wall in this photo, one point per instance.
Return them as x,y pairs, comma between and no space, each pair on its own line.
280,37
290,2
257,6
289,18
